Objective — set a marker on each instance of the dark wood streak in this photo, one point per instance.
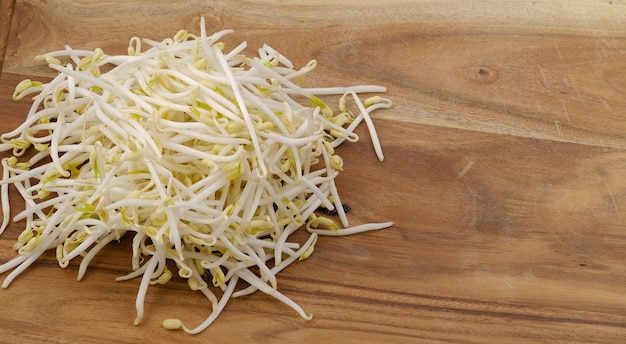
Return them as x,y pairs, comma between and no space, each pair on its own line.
518,312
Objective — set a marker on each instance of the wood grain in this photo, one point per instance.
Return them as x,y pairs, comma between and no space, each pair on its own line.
503,173
6,13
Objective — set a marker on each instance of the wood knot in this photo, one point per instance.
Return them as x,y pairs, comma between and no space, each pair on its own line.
484,75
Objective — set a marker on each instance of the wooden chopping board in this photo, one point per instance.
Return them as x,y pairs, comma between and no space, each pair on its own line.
503,172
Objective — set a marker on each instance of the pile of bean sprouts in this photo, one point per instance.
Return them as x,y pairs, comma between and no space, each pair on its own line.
211,159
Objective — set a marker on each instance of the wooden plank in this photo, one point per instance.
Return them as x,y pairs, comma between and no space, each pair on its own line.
504,154
6,13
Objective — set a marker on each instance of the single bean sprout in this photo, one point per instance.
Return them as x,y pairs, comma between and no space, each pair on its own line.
211,159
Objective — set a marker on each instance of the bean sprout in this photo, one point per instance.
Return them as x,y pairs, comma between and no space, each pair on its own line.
211,159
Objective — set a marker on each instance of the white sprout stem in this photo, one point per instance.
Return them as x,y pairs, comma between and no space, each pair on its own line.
244,111
84,245
284,263
342,90
357,121
254,280
217,310
143,289
338,205
264,270
84,263
352,230
23,264
29,203
11,264
37,207
217,263
134,274
370,126
284,81
4,197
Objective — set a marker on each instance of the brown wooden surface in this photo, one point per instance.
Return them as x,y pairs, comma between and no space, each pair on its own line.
504,172
6,12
